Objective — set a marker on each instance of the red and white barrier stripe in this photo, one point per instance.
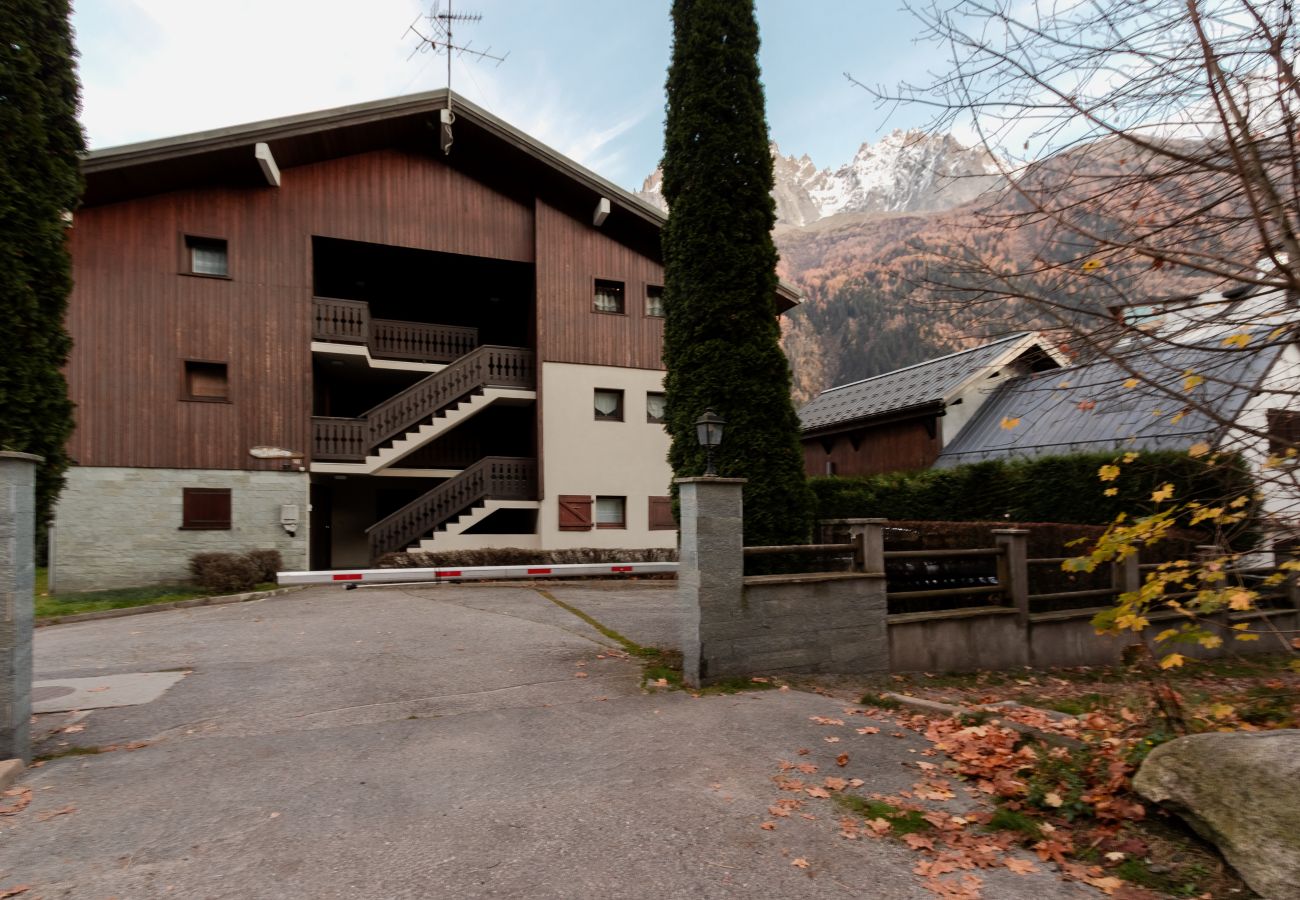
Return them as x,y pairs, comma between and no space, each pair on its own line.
348,577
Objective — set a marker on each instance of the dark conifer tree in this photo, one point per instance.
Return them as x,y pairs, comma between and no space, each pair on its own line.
40,182
721,335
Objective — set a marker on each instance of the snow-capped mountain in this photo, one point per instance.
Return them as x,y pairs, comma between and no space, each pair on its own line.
906,171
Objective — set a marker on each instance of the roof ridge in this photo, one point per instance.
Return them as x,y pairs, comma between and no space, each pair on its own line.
927,362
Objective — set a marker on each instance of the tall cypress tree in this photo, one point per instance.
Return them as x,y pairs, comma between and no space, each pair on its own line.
721,335
40,181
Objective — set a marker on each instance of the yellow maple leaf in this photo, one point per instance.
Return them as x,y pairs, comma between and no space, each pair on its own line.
1191,380
1199,449
1092,265
1131,383
1009,422
1241,600
1220,710
1164,492
1241,339
1111,492
1172,661
1177,417
1108,473
1129,457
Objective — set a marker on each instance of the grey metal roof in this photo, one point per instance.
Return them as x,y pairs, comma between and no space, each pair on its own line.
1087,407
928,382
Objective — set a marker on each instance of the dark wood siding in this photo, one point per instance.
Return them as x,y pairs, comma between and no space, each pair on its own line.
893,447
134,317
571,255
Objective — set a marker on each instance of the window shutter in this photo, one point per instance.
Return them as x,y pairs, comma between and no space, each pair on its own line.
661,514
575,512
206,508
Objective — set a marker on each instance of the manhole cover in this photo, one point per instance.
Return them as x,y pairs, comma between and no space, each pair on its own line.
49,692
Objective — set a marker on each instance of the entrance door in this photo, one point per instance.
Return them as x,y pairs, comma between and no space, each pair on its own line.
322,513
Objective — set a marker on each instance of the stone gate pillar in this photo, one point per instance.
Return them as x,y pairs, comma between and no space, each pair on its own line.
17,582
711,567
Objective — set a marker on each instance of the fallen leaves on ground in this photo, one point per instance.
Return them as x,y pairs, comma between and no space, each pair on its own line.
842,760
799,862
14,891
23,797
50,814
823,720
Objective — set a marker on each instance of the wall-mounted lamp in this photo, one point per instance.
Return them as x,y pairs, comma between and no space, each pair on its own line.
708,429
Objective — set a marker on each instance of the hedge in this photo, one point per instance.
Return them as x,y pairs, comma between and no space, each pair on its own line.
1059,489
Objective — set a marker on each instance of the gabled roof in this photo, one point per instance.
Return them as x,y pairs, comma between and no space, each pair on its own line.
1089,407
919,388
484,146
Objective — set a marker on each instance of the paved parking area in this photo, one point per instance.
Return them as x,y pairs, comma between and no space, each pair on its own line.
450,741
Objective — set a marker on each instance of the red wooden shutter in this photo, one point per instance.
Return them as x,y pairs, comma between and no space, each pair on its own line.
206,508
575,512
661,514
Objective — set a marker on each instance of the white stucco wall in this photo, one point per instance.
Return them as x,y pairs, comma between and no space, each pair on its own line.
584,456
1280,485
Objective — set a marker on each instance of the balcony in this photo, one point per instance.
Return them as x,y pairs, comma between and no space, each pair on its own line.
349,322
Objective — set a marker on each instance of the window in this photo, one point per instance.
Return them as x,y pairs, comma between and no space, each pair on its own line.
206,256
654,408
205,509
1283,431
609,296
575,512
609,405
205,381
661,514
654,300
611,512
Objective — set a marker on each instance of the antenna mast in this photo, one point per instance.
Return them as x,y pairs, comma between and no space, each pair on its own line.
439,40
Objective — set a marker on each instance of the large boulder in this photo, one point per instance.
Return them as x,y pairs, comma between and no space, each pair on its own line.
1240,791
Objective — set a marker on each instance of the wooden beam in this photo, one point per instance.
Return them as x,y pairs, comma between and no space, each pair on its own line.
270,171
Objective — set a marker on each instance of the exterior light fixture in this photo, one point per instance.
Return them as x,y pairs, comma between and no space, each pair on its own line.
708,429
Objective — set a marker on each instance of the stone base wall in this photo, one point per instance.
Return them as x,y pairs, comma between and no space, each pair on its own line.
121,527
798,624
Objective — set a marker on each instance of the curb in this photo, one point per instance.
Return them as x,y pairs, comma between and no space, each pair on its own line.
159,607
10,769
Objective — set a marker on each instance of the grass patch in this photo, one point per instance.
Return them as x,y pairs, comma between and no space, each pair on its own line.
50,606
69,751
880,701
1009,820
901,821
736,685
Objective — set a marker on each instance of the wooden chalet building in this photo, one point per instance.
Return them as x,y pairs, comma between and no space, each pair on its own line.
903,420
456,349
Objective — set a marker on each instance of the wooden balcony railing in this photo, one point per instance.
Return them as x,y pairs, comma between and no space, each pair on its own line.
338,439
491,478
349,322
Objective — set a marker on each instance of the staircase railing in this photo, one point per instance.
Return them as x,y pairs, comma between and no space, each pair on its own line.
486,366
491,478
349,322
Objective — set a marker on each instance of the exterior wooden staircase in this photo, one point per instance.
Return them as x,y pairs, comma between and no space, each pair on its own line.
411,418
493,478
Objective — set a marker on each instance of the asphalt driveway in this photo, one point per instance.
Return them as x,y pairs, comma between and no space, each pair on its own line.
450,741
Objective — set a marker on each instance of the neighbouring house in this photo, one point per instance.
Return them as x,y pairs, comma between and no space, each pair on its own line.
903,420
1222,370
337,335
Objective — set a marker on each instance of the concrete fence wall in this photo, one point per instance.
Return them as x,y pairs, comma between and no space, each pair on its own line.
839,622
736,626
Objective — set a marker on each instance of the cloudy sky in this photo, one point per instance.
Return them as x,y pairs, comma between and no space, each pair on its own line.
585,76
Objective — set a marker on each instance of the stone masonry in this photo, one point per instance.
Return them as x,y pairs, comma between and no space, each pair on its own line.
120,527
17,576
735,626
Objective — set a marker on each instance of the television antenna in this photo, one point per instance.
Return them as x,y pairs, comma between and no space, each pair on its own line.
437,37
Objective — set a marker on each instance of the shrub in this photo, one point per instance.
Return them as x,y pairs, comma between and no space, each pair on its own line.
227,573
515,556
268,563
1059,489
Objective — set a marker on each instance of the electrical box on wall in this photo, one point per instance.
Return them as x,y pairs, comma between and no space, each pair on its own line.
289,517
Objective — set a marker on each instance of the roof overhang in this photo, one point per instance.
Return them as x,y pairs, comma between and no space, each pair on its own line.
485,147
927,410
